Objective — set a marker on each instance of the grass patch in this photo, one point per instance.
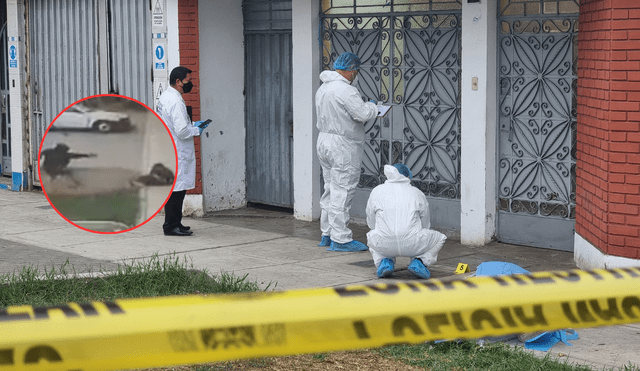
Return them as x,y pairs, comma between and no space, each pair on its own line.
172,275
121,206
320,356
169,275
448,356
469,356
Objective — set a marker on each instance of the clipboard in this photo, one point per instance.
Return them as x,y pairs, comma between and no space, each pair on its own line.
201,126
383,110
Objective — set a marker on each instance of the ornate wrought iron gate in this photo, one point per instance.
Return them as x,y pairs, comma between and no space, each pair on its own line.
537,117
411,58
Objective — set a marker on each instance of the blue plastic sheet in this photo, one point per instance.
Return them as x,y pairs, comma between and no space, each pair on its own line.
496,268
548,339
543,341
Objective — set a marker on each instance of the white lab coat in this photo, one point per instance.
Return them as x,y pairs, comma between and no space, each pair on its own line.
173,111
398,215
341,117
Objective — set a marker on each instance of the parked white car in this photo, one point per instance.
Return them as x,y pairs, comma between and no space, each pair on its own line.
79,117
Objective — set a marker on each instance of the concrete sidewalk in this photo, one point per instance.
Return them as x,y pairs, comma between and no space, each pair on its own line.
272,248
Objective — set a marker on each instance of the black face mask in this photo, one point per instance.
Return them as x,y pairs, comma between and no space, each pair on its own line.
187,87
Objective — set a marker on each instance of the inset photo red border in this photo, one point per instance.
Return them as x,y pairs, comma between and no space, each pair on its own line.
107,164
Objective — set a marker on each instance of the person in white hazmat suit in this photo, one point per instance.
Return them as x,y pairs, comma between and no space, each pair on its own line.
398,215
341,115
173,111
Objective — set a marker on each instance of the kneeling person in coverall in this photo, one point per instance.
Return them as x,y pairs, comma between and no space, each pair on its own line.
398,215
341,116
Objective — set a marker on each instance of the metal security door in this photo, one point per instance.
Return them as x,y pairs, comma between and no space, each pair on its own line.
410,60
537,122
5,123
64,59
83,48
268,102
130,49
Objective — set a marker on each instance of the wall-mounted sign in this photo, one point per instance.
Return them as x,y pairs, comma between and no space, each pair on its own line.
160,63
13,56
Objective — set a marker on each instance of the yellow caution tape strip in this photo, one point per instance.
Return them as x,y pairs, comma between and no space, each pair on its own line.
153,332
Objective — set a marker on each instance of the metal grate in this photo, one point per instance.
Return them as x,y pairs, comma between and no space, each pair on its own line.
266,15
5,116
130,50
335,7
526,8
538,79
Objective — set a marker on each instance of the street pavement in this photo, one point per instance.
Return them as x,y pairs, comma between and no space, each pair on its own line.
275,250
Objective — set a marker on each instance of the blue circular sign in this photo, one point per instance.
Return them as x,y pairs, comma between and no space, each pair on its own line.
159,52
12,52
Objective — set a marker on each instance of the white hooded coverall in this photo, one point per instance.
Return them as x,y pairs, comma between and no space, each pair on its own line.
173,111
398,215
341,117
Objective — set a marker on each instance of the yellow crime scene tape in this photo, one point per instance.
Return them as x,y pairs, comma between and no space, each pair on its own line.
165,331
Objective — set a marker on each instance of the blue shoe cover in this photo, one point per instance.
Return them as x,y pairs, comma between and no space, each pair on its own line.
349,246
326,241
417,268
548,339
385,269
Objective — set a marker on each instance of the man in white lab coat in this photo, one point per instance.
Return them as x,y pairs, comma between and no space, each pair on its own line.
173,111
341,117
398,215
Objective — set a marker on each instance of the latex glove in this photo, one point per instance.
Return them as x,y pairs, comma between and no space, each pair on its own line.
197,124
373,101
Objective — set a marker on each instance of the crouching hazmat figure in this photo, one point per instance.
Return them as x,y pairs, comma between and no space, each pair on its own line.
398,215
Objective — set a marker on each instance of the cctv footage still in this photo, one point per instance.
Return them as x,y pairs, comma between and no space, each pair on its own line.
107,164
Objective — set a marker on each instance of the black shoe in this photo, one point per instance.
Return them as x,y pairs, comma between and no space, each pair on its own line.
177,232
184,228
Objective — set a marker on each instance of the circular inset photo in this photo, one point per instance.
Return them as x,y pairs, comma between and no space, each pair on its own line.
107,164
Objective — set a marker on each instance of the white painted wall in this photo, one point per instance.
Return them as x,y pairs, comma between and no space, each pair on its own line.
221,72
478,128
587,256
306,70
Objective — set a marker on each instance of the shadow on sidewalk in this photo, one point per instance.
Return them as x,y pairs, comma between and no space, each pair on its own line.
281,220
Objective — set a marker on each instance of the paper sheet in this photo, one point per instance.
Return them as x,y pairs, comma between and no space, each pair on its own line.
383,110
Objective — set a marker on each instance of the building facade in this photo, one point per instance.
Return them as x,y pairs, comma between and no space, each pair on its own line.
519,119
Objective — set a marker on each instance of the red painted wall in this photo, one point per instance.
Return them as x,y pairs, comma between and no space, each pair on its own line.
608,138
189,52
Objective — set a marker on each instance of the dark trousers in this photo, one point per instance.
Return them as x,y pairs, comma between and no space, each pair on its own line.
173,211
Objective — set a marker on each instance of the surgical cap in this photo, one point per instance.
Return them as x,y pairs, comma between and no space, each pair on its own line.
402,169
347,61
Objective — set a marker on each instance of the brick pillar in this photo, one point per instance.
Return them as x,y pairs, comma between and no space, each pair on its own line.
608,137
189,57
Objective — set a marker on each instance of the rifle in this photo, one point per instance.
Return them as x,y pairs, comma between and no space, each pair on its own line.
80,155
